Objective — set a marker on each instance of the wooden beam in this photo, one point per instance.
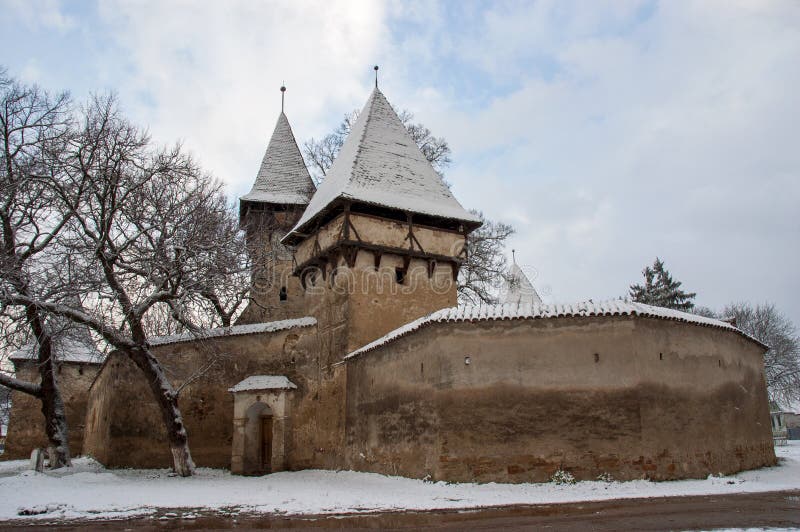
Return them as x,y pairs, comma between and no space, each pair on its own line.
340,246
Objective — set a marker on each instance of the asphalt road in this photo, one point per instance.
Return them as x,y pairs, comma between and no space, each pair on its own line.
775,509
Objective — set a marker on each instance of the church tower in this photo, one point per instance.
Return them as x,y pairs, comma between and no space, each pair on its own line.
518,288
383,238
280,194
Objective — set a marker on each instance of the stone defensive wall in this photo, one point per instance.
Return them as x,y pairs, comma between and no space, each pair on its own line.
124,427
477,398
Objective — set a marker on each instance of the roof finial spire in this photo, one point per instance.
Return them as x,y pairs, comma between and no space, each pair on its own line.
513,256
376,76
283,93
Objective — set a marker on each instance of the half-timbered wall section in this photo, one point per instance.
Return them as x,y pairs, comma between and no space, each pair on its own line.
409,240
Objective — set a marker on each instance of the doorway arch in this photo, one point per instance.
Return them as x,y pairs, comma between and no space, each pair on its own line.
261,424
258,439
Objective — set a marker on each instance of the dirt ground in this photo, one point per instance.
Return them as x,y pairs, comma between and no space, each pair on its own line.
774,509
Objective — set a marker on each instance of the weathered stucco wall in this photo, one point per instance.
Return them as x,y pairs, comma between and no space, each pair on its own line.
357,305
276,295
378,303
633,397
324,238
26,425
124,427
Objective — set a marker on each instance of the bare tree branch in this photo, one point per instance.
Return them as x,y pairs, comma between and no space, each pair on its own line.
29,388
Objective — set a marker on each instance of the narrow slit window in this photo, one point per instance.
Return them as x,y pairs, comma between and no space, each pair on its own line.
400,275
283,294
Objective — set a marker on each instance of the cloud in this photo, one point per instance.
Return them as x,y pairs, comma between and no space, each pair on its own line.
606,132
656,130
209,72
44,14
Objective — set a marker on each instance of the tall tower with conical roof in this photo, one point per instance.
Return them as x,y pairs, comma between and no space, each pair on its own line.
382,239
280,194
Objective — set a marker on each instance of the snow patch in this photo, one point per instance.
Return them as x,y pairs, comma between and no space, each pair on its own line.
236,330
87,491
263,382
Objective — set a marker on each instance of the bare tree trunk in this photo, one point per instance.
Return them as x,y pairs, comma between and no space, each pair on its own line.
55,418
29,388
33,129
167,401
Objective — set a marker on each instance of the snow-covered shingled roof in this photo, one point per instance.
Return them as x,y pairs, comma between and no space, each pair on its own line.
236,330
263,382
380,164
519,289
66,350
283,177
528,312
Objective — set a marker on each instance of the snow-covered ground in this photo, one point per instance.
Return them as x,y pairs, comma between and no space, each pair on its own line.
87,490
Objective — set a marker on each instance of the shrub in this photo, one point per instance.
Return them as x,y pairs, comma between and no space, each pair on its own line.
562,477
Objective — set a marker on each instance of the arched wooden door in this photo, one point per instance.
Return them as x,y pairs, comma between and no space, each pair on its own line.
257,455
266,444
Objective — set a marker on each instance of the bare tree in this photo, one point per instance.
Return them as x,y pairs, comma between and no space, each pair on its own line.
35,131
320,154
151,236
218,290
485,267
225,283
782,360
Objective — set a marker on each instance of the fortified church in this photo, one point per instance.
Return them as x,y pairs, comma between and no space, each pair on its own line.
353,353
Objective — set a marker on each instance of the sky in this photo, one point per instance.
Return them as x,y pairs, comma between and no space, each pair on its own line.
606,133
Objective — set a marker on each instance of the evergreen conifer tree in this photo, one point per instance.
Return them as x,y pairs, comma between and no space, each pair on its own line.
661,290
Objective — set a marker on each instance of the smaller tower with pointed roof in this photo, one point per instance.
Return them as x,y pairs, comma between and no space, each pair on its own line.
518,288
280,194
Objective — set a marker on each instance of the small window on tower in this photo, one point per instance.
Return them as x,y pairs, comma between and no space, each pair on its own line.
400,275
283,295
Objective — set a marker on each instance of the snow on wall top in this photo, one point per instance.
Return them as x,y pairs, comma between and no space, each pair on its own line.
380,164
263,382
283,177
538,311
66,350
236,330
519,289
